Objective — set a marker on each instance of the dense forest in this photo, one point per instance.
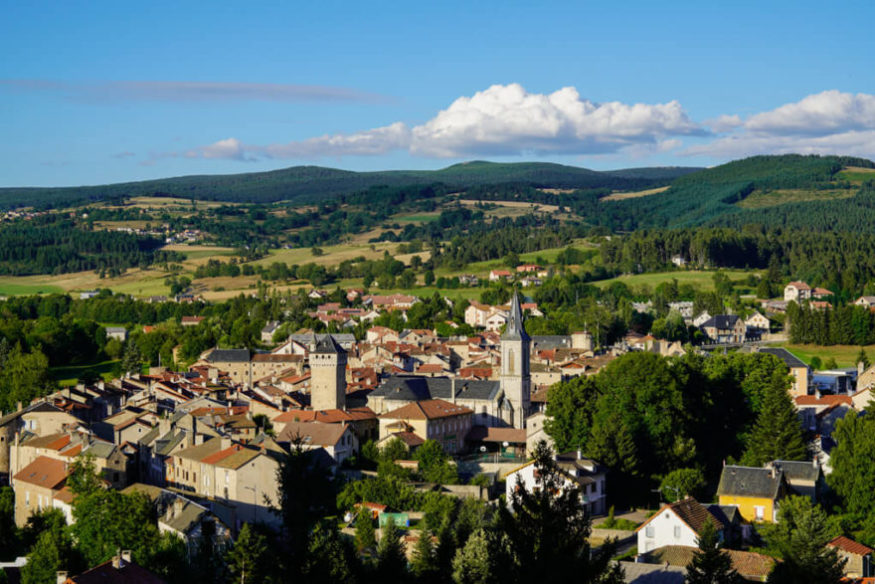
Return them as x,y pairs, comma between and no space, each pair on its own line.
51,244
308,184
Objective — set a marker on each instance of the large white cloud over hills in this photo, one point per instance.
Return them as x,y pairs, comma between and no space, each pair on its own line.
507,120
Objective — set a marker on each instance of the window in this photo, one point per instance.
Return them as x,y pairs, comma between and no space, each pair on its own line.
759,512
27,498
677,531
649,531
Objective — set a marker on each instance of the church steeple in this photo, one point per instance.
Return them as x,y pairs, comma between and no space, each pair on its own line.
515,330
515,376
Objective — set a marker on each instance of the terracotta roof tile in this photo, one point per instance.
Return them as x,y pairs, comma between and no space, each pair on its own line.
850,546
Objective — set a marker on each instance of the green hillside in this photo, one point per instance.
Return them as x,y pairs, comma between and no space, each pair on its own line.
712,196
313,183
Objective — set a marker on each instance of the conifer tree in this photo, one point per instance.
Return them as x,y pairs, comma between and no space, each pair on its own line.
247,561
424,564
777,433
391,560
364,531
711,565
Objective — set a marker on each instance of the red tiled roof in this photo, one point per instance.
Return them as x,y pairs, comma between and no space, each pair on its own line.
850,546
428,409
43,472
824,400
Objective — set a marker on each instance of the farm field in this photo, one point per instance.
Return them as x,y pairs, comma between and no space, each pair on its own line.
66,376
760,199
634,195
699,278
856,174
844,355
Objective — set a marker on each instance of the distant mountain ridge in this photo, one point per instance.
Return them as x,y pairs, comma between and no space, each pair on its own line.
314,183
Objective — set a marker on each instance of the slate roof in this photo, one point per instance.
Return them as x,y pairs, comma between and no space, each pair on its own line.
305,338
722,321
515,330
798,471
748,481
326,345
784,355
184,517
415,388
228,356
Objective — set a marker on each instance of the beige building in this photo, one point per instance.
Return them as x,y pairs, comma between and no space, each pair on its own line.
238,475
40,419
433,419
109,460
36,486
236,362
327,375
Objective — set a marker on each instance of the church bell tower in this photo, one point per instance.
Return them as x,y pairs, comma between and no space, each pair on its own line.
516,380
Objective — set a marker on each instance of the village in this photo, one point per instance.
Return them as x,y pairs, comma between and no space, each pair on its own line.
204,444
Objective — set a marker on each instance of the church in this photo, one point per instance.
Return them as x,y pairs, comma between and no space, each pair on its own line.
502,403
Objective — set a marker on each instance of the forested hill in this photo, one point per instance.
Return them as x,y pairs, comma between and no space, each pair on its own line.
787,191
314,183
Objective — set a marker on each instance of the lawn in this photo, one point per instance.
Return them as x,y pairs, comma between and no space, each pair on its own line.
845,355
69,375
857,174
9,287
700,278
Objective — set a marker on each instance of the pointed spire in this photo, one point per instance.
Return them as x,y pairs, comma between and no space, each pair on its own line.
326,344
515,331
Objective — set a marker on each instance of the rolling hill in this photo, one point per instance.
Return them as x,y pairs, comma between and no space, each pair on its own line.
313,183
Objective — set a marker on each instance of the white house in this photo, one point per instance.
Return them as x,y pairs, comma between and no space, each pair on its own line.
587,473
797,292
866,301
679,523
117,332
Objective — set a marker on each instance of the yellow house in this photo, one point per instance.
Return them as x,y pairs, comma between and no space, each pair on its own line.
755,491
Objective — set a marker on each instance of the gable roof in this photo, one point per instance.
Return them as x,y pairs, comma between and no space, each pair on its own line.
106,573
43,472
797,470
784,355
228,356
749,565
312,434
691,512
413,388
722,321
748,481
430,409
850,546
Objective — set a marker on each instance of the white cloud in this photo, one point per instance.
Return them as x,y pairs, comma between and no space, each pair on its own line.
369,143
830,122
507,120
227,148
504,120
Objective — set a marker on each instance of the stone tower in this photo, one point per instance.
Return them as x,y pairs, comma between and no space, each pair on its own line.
327,375
516,380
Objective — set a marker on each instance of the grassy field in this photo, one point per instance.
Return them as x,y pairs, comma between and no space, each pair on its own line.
699,278
857,175
760,199
70,374
844,355
419,218
12,286
634,195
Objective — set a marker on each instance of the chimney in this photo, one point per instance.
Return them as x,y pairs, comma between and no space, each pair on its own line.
579,454
60,577
18,408
453,390
773,472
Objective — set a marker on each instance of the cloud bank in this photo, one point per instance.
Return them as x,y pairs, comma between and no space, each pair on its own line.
830,122
507,120
504,120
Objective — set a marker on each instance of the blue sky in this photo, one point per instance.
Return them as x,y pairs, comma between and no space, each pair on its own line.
98,92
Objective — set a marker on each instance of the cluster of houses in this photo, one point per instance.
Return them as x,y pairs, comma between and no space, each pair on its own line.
526,275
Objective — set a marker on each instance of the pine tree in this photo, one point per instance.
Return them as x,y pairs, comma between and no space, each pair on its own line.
777,433
424,564
132,359
803,547
863,358
475,562
711,565
365,539
391,560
